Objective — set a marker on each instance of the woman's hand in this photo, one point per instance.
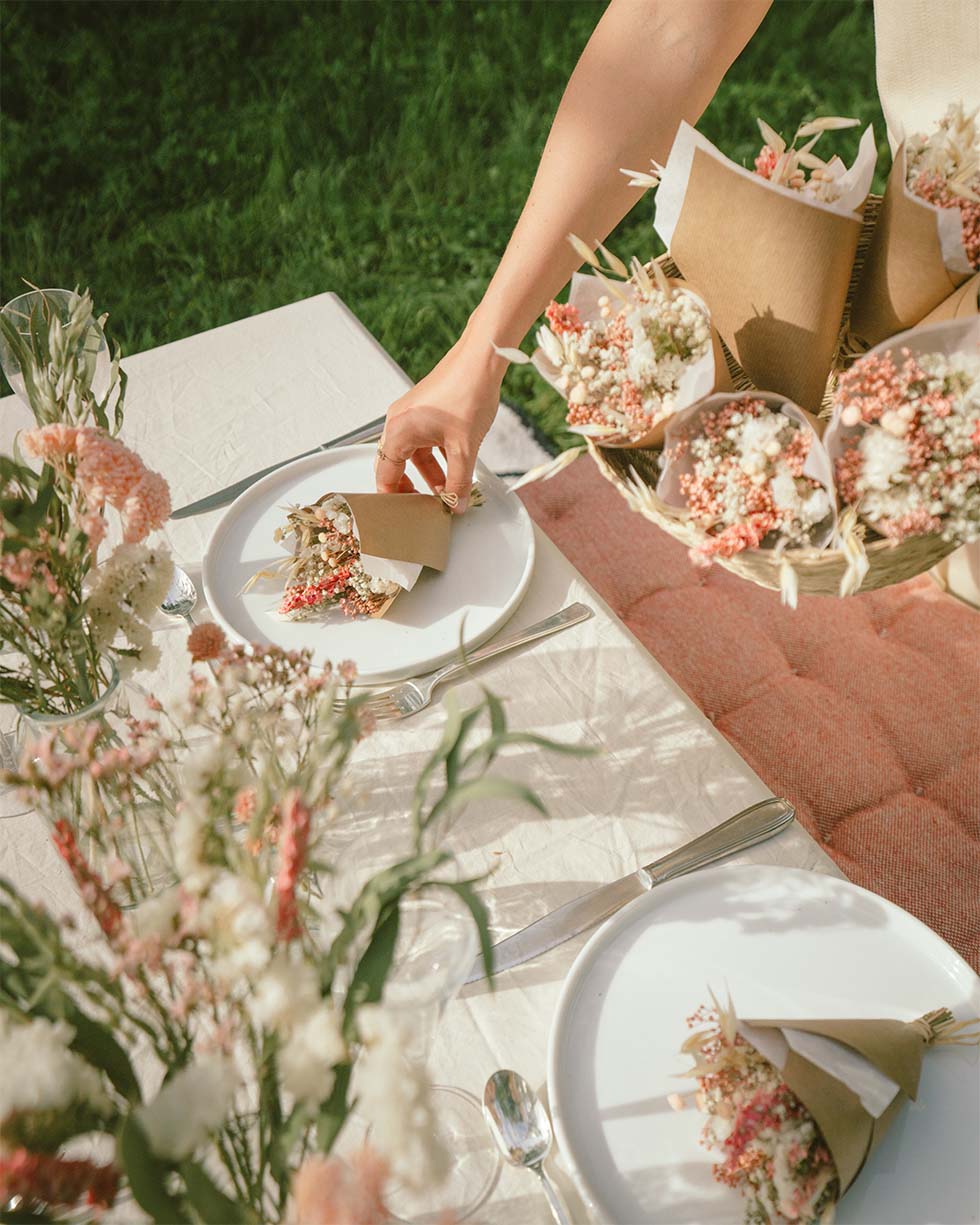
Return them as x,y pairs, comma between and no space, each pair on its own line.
450,410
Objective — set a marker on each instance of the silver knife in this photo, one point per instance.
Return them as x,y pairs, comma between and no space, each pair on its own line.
363,433
745,829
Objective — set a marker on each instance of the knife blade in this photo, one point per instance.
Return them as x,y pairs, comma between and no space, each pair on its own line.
748,827
363,433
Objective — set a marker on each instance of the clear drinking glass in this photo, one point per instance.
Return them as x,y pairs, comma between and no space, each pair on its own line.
59,302
437,945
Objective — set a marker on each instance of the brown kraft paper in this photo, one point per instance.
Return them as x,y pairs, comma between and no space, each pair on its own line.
410,527
775,270
896,1048
960,304
904,276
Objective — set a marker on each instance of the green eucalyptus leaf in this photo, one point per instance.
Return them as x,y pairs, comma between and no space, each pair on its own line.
333,1113
209,1202
474,903
147,1176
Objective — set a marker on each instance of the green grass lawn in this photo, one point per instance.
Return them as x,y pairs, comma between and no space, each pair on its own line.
194,163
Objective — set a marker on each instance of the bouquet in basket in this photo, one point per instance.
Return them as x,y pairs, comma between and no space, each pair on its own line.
925,251
905,434
627,355
772,247
751,472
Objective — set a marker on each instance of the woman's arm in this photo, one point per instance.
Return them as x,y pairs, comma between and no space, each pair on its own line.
648,65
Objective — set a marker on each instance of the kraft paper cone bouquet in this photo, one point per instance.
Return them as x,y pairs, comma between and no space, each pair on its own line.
925,250
795,1108
771,249
358,551
628,354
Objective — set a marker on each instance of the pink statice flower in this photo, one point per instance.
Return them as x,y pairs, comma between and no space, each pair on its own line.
293,844
765,162
18,568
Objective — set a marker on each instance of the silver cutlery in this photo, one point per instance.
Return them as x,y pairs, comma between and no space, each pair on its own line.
181,596
364,433
412,696
752,825
522,1130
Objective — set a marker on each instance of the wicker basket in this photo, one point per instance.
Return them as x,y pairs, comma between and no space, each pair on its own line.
635,473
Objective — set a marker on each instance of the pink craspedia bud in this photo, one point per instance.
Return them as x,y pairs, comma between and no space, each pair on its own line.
206,641
765,163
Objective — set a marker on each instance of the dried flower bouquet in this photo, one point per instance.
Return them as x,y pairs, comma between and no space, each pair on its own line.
627,355
68,613
795,1107
926,243
905,434
752,473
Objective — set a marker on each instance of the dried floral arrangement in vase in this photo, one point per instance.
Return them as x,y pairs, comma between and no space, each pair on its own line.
79,583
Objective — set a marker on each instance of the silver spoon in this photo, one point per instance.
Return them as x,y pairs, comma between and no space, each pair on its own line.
181,596
522,1130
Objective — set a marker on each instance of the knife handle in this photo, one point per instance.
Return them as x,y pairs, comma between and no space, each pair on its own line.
745,829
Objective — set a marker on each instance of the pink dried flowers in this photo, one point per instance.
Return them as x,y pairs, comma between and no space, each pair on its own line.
741,469
771,1150
787,166
943,168
907,431
629,365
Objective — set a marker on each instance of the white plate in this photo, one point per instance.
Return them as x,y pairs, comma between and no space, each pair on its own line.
490,561
786,943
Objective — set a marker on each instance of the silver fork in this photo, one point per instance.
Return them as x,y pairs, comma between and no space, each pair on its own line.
410,697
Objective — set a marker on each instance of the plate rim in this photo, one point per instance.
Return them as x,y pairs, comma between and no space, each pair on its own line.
392,675
621,919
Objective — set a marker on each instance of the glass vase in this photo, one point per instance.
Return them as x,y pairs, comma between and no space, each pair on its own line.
93,347
135,838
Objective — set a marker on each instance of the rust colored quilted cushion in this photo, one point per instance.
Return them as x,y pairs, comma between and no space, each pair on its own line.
864,713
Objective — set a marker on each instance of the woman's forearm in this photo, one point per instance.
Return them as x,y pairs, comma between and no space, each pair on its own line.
648,65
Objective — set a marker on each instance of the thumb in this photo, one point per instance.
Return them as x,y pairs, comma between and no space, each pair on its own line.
459,479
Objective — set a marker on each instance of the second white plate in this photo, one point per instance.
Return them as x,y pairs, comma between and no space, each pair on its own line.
490,563
785,943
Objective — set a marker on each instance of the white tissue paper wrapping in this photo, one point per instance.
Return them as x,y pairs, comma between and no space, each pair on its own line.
875,1090
817,466
854,183
404,573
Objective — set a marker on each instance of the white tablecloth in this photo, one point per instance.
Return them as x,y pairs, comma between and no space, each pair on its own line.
210,409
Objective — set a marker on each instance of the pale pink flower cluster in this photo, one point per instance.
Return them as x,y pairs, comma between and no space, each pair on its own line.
106,471
910,457
745,482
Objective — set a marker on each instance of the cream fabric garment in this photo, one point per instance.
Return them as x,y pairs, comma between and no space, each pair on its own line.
927,55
